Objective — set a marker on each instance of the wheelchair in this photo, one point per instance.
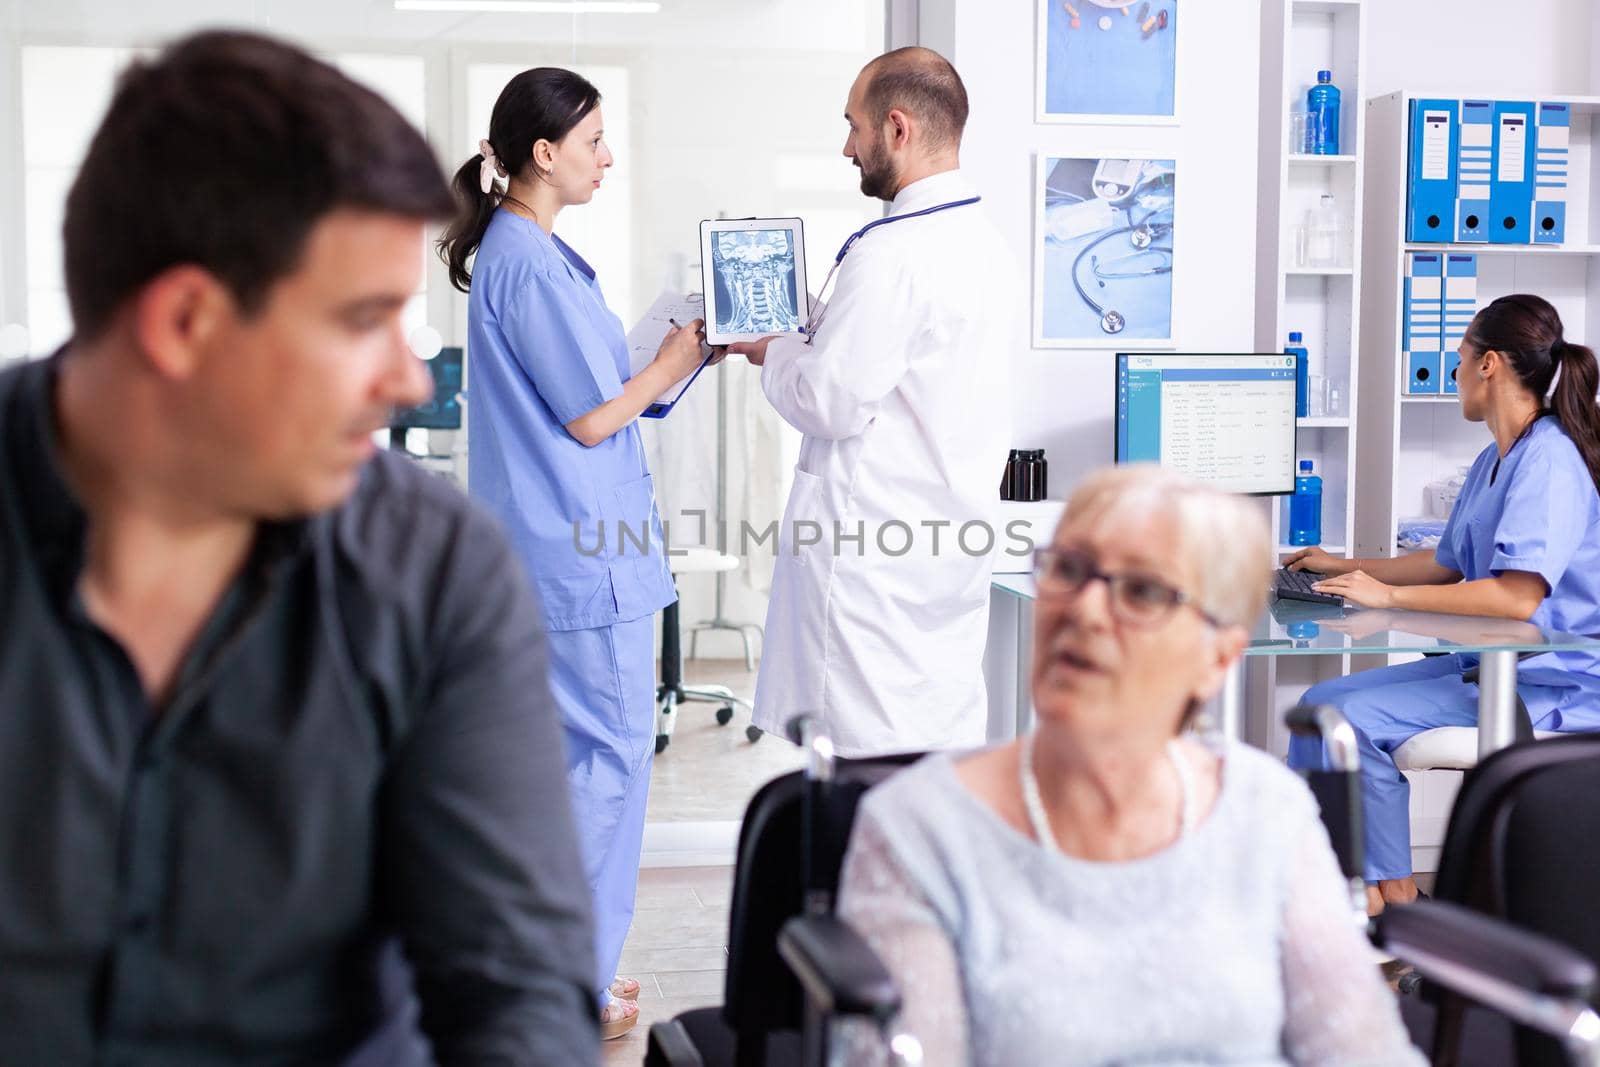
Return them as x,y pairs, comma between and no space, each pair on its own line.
794,969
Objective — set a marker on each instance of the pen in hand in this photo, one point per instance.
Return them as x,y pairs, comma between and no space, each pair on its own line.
716,353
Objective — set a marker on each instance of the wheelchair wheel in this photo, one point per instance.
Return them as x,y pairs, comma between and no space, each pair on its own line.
725,715
753,733
661,743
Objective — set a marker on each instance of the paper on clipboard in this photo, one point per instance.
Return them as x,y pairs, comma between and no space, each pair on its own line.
644,340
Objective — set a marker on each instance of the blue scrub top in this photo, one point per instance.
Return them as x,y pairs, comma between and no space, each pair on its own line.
544,349
1541,515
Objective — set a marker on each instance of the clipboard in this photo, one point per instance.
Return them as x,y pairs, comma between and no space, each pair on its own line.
644,341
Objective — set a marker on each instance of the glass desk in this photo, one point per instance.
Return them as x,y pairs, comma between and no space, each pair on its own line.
1298,628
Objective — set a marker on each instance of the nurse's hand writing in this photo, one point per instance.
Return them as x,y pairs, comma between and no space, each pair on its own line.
680,351
754,351
1358,588
1317,561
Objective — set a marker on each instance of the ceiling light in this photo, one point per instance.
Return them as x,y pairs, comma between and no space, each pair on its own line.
544,7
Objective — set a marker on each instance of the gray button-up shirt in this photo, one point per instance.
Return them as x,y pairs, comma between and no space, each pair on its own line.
349,826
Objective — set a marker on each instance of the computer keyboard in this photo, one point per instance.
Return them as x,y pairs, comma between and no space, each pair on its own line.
1296,585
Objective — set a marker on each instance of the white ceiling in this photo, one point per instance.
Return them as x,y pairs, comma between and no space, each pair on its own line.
694,25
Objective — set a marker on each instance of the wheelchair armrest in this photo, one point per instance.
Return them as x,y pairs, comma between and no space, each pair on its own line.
1466,951
670,1046
840,973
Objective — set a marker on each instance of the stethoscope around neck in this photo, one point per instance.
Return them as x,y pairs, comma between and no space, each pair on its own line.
814,322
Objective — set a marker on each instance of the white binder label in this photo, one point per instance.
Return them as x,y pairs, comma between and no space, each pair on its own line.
1427,288
1513,149
1435,145
1554,137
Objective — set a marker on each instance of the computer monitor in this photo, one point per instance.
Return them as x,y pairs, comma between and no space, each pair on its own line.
1226,420
443,410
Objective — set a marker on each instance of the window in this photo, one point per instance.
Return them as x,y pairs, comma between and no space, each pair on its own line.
65,92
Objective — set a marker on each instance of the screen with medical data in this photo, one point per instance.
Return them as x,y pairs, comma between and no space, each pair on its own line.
754,280
1226,420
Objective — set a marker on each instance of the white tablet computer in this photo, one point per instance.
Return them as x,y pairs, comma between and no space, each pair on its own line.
754,272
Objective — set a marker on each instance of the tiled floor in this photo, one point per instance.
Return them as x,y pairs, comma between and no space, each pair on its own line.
709,772
677,949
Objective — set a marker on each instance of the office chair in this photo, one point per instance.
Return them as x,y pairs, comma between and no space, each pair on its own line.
672,692
1509,928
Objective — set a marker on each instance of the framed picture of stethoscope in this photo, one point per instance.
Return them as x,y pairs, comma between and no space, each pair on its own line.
1107,61
1102,266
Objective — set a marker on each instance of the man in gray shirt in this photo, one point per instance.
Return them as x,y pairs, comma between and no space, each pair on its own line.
280,780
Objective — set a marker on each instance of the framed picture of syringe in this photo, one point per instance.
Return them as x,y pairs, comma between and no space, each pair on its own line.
1107,61
1102,264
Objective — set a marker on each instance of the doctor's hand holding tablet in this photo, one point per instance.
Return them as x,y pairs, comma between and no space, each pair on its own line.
754,273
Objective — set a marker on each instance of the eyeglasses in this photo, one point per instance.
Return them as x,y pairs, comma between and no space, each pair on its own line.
1136,599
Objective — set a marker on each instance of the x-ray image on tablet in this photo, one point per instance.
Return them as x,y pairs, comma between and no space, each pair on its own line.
754,274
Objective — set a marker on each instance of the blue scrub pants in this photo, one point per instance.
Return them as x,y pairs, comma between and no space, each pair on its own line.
603,680
1389,705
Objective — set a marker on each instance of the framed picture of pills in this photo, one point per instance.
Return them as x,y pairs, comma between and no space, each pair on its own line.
1107,61
1102,255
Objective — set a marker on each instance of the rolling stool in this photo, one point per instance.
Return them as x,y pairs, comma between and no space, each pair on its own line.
672,692
1455,748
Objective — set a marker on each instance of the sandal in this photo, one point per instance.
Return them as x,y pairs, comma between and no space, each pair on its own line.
617,1018
624,988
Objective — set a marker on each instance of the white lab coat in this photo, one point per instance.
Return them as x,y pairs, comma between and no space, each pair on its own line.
904,401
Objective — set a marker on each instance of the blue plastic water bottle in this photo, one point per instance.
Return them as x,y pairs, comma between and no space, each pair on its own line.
1296,349
1305,507
1322,109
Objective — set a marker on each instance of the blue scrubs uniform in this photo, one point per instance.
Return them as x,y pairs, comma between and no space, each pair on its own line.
544,349
1540,514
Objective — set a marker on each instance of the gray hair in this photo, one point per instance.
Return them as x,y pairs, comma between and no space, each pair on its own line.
1222,535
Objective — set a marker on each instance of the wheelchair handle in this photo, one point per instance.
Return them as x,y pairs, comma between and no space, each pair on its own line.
807,732
1327,723
905,1051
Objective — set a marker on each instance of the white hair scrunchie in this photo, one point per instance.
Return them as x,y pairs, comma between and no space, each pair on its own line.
1558,353
490,168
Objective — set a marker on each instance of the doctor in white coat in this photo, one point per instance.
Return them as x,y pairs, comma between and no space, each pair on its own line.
880,596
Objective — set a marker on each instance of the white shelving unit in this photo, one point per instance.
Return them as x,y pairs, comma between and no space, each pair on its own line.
1406,441
1299,38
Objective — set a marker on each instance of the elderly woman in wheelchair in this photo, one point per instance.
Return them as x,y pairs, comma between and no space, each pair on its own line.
1113,887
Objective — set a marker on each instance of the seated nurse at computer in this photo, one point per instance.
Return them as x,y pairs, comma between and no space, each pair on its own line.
1522,542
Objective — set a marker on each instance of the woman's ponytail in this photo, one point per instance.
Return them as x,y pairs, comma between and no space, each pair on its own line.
1574,403
542,104
474,209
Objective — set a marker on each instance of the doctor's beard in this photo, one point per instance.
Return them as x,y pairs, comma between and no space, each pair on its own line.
878,177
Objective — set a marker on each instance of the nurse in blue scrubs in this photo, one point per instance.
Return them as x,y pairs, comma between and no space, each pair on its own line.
1522,542
554,451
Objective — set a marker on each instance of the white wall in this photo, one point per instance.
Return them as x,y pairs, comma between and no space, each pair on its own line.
13,286
1483,46
1064,397
1594,55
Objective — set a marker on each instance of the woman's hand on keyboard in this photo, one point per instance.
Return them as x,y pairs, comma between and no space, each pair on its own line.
1316,561
1358,588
